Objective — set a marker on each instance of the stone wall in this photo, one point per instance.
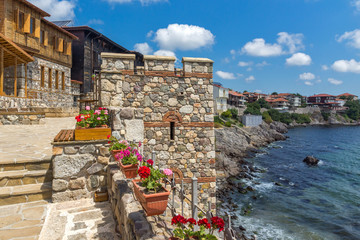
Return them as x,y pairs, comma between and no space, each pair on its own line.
170,110
79,169
21,118
38,96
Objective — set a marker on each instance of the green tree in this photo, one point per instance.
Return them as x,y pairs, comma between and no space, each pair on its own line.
274,93
263,103
353,110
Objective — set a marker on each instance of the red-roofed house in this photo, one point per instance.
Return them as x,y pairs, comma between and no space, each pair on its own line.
348,96
324,101
279,103
236,99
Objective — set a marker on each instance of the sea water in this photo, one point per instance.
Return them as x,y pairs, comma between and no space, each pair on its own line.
295,201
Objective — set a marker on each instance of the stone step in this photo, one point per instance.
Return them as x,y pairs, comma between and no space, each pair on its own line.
25,164
23,177
25,193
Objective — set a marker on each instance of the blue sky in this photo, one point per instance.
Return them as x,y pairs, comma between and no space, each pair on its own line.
305,46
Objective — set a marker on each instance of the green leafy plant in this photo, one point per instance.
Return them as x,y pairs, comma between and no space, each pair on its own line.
129,155
90,119
228,124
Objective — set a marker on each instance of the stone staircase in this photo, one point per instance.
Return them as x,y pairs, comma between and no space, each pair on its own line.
25,181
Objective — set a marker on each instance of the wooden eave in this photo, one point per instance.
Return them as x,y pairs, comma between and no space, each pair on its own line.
32,6
12,52
60,29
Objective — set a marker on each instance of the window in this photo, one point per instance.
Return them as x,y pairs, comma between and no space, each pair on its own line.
63,80
172,130
21,18
42,76
42,37
57,79
50,78
32,25
54,43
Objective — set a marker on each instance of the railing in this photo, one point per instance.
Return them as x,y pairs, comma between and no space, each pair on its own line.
229,233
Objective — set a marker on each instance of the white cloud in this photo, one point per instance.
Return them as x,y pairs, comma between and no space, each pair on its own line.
309,83
286,43
225,75
226,60
250,79
324,67
299,59
249,69
232,52
356,4
245,64
346,66
183,37
150,34
58,9
334,81
259,48
262,64
240,75
166,53
258,91
307,76
143,2
143,48
292,41
352,38
96,22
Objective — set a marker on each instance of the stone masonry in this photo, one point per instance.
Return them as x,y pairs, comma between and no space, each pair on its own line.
79,169
169,109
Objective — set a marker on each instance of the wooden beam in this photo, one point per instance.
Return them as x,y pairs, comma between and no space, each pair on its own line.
26,80
2,71
15,78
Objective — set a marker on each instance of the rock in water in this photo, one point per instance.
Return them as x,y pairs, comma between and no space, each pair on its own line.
310,160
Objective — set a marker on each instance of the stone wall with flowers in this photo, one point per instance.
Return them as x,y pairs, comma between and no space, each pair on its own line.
79,169
170,110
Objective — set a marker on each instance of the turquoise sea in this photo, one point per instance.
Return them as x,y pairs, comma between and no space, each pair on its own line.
307,203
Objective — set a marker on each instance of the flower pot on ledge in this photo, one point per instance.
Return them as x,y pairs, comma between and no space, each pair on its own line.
153,204
130,171
87,134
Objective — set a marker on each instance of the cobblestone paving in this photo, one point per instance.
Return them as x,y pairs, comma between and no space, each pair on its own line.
80,220
24,142
22,221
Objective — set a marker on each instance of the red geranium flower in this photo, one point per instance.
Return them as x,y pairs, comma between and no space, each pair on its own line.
178,219
218,223
108,136
204,222
144,172
151,162
191,221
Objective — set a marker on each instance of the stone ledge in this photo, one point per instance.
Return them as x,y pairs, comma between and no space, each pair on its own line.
79,142
159,58
118,55
201,60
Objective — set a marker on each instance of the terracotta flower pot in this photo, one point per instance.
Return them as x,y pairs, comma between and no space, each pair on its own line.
114,152
153,204
130,171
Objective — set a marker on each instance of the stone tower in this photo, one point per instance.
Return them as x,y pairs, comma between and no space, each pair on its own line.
170,110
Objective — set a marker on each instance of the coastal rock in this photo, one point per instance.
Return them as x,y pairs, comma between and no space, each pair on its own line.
310,160
279,127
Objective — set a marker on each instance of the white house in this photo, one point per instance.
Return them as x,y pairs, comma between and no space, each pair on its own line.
221,96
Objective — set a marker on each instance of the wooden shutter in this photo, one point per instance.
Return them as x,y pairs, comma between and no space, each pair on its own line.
37,28
61,45
16,19
46,38
68,48
27,23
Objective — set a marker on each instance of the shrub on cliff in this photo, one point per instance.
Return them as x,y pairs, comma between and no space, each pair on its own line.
301,118
228,124
253,108
266,117
218,120
353,110
226,114
325,115
234,113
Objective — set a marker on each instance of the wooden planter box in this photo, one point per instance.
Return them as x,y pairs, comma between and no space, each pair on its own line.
86,134
153,204
130,171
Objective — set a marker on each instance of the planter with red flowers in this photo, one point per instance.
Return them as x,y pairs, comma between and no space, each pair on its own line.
92,125
128,159
152,196
185,228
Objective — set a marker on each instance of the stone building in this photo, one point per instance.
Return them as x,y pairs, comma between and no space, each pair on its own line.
171,110
35,59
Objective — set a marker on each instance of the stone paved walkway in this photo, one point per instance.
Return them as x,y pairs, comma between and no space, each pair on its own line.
25,142
79,220
22,221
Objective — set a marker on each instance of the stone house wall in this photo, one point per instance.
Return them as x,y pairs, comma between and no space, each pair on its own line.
38,96
79,169
173,110
21,118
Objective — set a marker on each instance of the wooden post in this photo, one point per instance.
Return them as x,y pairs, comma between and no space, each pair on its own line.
15,78
26,80
2,71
